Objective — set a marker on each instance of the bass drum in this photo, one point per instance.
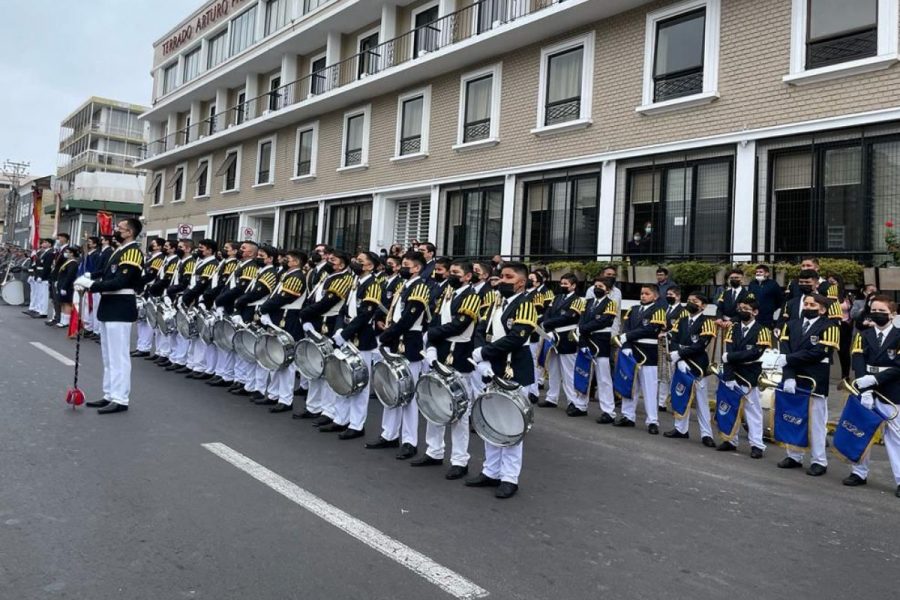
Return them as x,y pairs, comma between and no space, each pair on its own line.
310,354
346,371
13,293
442,396
393,380
274,349
223,334
502,415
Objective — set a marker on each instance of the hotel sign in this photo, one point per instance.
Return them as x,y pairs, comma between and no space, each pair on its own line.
211,15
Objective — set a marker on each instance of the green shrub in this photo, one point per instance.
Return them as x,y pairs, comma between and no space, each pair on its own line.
693,272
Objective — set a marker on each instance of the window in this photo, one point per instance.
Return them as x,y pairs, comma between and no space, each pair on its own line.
243,31
265,161
187,129
354,152
479,107
426,36
276,15
561,216
411,220
350,226
305,151
566,85
240,108
413,115
225,228
275,92
368,55
841,31
156,189
217,50
681,56
191,65
170,78
229,170
201,178
474,221
177,184
301,227
211,119
687,207
313,4
318,79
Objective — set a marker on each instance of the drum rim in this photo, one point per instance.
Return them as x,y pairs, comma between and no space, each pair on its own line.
301,366
478,418
260,349
452,418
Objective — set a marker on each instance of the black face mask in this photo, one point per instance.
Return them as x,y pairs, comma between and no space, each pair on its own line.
179,253
260,263
599,292
880,319
735,283
195,254
356,268
612,280
506,289
439,277
745,316
806,289
405,273
671,300
692,308
117,235
454,281
810,313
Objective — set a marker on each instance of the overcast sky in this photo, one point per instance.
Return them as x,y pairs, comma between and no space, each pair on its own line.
57,53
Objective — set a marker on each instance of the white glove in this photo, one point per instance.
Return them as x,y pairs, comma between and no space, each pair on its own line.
62,293
431,355
338,338
868,400
201,306
84,282
626,351
307,327
425,339
485,370
30,279
781,361
476,355
238,320
623,339
790,386
674,356
220,311
266,320
724,357
682,366
866,381
731,385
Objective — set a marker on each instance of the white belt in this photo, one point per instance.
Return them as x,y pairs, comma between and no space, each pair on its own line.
876,370
257,303
122,292
606,330
565,328
648,342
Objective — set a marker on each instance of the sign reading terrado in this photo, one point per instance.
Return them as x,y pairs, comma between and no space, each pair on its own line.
213,13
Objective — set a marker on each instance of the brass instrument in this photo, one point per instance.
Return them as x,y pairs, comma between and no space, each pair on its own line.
765,383
664,363
614,340
847,386
716,370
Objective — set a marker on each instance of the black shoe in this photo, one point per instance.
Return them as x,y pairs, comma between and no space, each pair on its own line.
215,381
756,452
406,451
816,470
675,434
235,386
623,422
51,322
192,375
456,472
255,396
533,398
426,461
605,419
183,370
653,429
708,441
307,415
506,490
239,391
162,361
351,434
280,408
663,409
152,357
574,411
98,403
897,492
205,376
853,480
265,402
545,404
727,447
322,420
40,316
789,463
482,480
383,443
112,408
300,393
139,354
174,367
332,428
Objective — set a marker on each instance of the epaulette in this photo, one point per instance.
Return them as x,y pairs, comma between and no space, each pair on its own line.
470,306
526,314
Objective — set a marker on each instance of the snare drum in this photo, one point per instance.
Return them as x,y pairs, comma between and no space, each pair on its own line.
223,333
346,370
165,319
150,312
184,323
442,395
274,349
244,342
204,323
393,380
310,354
502,414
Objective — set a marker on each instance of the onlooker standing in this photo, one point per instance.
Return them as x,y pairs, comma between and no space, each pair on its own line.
768,295
846,325
663,282
859,312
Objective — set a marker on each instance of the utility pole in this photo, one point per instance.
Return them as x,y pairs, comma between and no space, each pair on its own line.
13,171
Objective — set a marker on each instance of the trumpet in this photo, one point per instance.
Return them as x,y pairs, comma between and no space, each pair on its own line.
614,340
765,383
716,370
847,386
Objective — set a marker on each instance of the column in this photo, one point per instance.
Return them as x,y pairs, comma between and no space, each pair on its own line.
171,128
509,208
320,234
221,107
289,76
383,212
742,219
276,228
196,118
607,210
332,57
445,7
251,89
388,31
433,214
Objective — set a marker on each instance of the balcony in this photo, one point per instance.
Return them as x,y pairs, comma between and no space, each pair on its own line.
130,133
101,160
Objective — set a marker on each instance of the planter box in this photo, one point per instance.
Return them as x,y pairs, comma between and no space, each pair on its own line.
644,275
889,278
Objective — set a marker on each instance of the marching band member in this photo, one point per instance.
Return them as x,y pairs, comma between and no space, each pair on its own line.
595,327
157,289
186,263
201,356
282,307
65,280
450,343
317,269
62,242
406,319
40,290
223,365
106,251
542,297
730,297
876,362
255,376
235,368
806,346
90,263
674,312
820,285
793,308
690,337
745,343
320,314
120,280
358,314
502,347
561,323
152,265
640,332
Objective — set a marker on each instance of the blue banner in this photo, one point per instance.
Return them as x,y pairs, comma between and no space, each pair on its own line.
792,419
856,429
729,406
681,393
584,362
624,376
542,355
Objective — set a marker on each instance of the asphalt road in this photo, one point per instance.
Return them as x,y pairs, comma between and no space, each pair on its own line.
133,506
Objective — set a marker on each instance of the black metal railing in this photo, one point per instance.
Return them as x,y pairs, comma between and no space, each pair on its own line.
353,157
677,85
561,111
477,130
410,145
304,167
862,44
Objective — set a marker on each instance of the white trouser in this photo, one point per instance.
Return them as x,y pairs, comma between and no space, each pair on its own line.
504,464
328,400
163,344
646,377
314,400
32,295
538,370
353,410
225,364
754,417
891,445
87,314
554,376
258,379
303,382
95,299
144,336
567,366
605,396
459,432
662,394
178,349
243,370
116,336
197,356
818,419
210,358
405,419
281,387
701,401
43,291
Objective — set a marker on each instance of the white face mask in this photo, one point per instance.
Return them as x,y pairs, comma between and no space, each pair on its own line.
760,278
637,238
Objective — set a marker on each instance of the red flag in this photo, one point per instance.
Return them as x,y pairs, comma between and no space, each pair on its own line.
74,322
35,218
104,223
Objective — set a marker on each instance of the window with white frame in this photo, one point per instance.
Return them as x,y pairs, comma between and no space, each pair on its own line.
305,152
479,110
191,65
177,183
275,93
201,178
265,161
566,83
354,150
156,189
217,49
681,55
276,15
426,36
317,80
211,119
170,78
413,116
243,31
229,170
368,58
240,108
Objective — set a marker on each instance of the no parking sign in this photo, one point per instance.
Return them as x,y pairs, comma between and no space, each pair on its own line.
185,230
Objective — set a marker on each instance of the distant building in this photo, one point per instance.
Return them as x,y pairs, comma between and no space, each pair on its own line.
32,190
119,194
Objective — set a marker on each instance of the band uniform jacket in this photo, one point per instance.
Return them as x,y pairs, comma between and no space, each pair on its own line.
325,301
690,341
488,296
151,270
596,324
90,263
792,308
674,314
824,288
58,260
45,265
868,357
262,285
315,275
460,317
439,292
744,352
407,320
562,320
389,287
183,271
291,287
65,278
359,311
503,339
728,300
220,280
121,277
641,326
810,354
237,284
200,280
542,298
105,253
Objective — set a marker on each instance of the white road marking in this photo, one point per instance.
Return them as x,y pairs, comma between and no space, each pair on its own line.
63,359
449,581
